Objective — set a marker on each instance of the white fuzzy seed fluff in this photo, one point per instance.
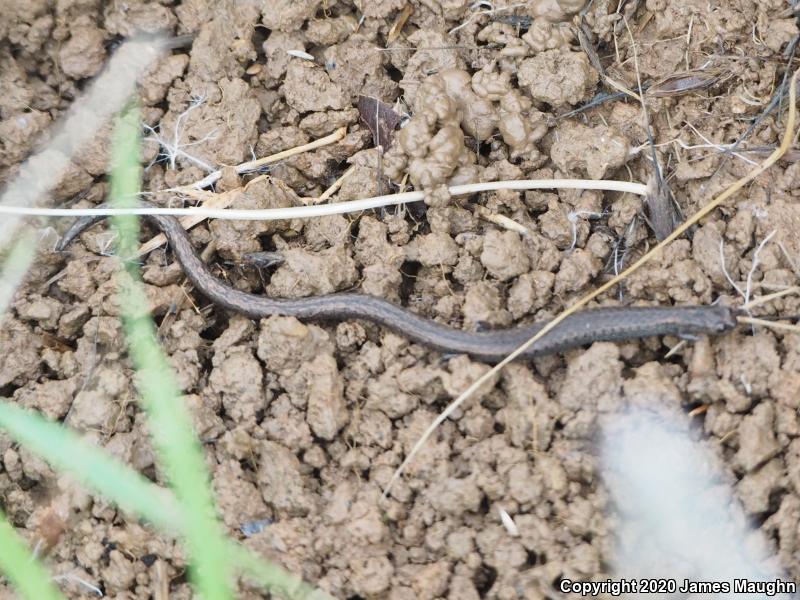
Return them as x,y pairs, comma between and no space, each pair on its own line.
677,518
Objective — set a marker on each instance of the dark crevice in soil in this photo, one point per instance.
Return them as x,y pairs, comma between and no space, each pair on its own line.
484,579
214,328
7,391
533,559
394,73
409,272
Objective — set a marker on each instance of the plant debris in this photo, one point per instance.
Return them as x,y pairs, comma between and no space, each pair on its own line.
380,118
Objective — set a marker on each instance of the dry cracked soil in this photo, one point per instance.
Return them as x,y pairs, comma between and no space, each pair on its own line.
303,423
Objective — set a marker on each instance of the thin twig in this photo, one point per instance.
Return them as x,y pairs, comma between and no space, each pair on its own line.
771,324
215,205
81,582
770,297
656,166
254,165
749,285
303,212
333,189
501,220
483,12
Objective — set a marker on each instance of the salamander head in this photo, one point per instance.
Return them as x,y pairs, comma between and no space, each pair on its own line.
726,318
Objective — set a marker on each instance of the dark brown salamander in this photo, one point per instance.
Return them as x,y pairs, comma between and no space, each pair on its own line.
580,329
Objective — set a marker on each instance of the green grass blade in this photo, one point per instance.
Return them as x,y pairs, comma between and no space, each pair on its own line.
273,577
22,568
192,516
69,453
171,428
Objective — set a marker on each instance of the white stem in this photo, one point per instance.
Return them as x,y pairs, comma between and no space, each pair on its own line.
300,212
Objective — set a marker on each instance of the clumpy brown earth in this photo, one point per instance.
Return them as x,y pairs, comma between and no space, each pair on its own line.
304,423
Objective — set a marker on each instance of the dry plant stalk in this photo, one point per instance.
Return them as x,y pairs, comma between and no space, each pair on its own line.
224,200
501,220
678,84
695,218
769,297
331,190
254,165
769,324
399,23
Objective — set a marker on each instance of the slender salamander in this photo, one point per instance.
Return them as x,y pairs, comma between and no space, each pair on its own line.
580,329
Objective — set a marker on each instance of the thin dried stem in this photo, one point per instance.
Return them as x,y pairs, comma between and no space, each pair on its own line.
304,212
770,297
501,220
770,324
254,165
333,189
749,285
